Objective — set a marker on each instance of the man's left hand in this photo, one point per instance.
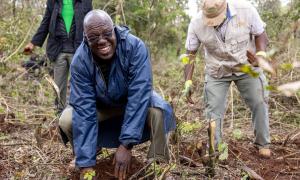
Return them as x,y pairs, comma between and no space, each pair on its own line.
252,58
259,60
122,162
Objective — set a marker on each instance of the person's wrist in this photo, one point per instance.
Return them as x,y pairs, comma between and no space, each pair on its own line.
262,54
127,146
86,168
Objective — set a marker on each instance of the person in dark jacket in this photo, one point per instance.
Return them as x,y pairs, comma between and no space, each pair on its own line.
112,103
63,24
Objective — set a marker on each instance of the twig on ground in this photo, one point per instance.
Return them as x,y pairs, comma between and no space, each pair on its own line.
147,175
40,153
110,174
289,155
20,45
189,160
288,137
293,159
191,172
16,144
293,137
140,171
225,167
166,170
162,92
251,173
49,164
289,173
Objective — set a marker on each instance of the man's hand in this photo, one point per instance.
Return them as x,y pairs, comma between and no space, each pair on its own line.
252,58
87,173
188,91
28,48
122,162
260,60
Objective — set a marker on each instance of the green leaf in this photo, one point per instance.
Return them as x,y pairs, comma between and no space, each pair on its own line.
237,134
248,70
3,136
187,127
245,176
2,110
104,153
223,150
270,88
286,66
89,175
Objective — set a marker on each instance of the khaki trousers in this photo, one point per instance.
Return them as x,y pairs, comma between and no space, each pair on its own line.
253,92
155,121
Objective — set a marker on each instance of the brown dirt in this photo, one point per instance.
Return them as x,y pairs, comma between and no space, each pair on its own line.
244,153
1,165
105,169
273,168
7,128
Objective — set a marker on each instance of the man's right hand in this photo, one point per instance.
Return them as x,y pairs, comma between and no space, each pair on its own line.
28,48
122,162
188,91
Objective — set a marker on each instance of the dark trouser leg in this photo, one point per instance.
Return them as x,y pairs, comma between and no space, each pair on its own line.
61,72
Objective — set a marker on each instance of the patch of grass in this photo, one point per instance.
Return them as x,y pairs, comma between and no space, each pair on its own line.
189,127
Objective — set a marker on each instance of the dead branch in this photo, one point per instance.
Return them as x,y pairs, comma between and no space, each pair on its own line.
293,137
189,160
20,45
289,155
251,173
191,172
134,176
147,175
16,144
288,137
163,174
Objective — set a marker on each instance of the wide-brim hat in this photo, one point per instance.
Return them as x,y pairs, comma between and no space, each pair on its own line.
214,12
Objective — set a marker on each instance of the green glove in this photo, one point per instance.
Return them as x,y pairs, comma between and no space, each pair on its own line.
187,87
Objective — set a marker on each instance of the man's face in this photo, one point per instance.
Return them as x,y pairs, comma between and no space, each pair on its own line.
102,39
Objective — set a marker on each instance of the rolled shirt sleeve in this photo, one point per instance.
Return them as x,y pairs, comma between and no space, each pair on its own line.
192,42
257,26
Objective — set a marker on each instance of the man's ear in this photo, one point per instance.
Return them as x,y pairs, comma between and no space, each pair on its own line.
85,38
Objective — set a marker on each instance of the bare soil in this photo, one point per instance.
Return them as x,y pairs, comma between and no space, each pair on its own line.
105,169
277,167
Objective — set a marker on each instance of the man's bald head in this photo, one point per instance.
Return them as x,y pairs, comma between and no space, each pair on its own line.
97,16
100,34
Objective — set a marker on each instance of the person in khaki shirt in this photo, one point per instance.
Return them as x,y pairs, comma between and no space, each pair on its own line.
233,35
